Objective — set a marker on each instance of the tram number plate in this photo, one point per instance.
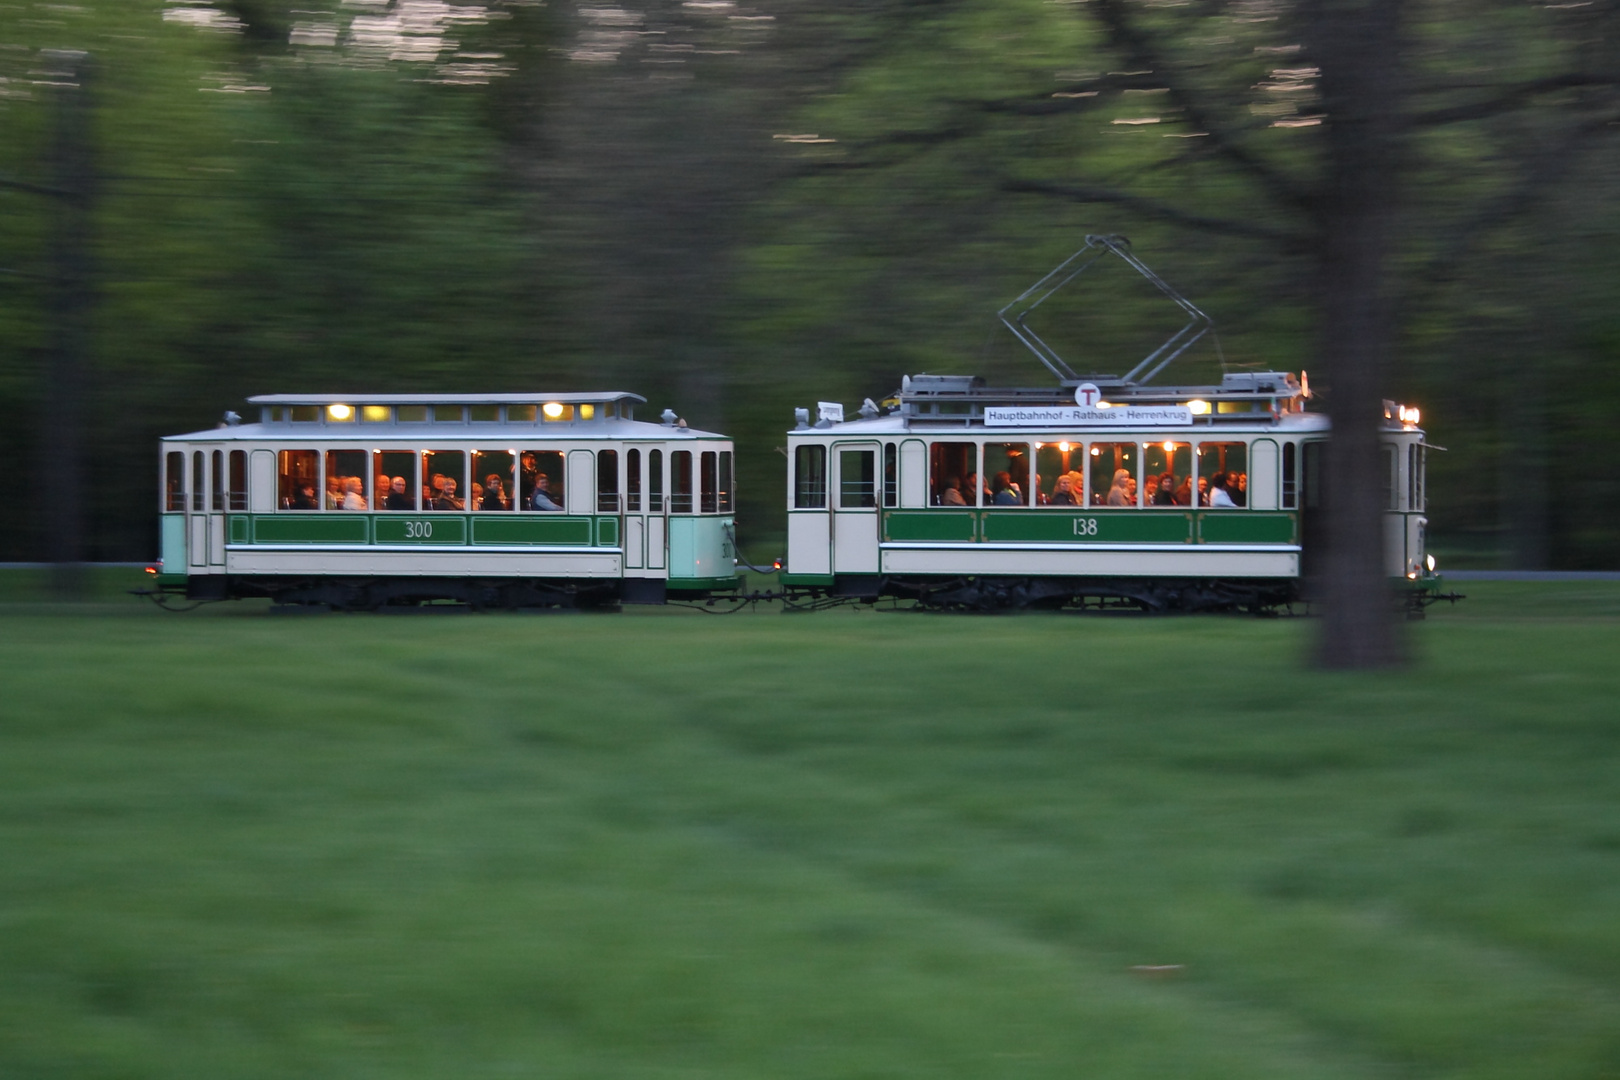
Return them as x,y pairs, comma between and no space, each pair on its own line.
418,530
1085,526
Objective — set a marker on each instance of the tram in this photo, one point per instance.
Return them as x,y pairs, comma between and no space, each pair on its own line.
493,500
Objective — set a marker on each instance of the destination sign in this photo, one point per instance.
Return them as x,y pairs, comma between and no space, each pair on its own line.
1080,415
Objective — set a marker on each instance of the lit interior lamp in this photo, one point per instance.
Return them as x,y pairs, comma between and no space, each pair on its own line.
1169,447
1095,450
552,410
340,412
1198,407
1065,447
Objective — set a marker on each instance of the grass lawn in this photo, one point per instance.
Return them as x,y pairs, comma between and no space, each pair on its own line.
856,844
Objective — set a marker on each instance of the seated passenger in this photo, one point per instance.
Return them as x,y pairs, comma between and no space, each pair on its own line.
1120,493
398,498
1150,494
1063,492
952,495
1203,491
542,494
476,501
1218,495
354,493
446,498
1167,491
303,497
437,488
1184,492
494,494
334,491
1239,490
1006,492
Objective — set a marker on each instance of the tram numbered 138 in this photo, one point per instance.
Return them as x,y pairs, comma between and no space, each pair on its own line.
493,500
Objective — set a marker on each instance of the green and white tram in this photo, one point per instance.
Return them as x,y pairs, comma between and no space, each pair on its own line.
965,496
514,500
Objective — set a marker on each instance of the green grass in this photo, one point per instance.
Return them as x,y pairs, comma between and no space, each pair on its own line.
856,845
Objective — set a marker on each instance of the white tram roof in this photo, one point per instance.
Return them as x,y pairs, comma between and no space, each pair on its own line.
600,398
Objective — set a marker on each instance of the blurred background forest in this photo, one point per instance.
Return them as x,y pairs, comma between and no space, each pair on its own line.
734,207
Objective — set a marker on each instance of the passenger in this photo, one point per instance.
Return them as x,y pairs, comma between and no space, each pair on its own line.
494,494
1006,492
398,496
1150,494
1203,491
1240,491
437,488
477,499
1063,491
334,491
1130,490
1184,495
1120,493
448,500
542,494
1167,490
354,493
1219,497
303,497
972,487
529,470
952,495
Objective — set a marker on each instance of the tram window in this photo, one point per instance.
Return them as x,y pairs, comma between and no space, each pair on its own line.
346,480
174,481
891,474
305,414
632,481
396,487
1164,466
655,481
1391,485
953,473
238,480
708,488
1290,476
449,414
375,414
726,480
485,414
533,466
680,481
1223,466
1115,469
587,412
857,486
444,480
491,487
218,476
411,414
1313,475
553,412
1006,474
1058,478
810,478
1416,455
607,481
296,482
520,414
198,473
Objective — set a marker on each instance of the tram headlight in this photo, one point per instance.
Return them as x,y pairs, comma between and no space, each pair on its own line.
1430,563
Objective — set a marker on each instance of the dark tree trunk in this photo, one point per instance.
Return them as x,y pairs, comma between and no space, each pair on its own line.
1357,46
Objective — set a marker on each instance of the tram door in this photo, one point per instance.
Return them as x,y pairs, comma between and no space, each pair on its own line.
216,508
645,532
197,511
855,513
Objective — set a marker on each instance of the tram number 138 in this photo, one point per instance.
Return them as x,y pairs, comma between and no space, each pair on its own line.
418,530
1085,526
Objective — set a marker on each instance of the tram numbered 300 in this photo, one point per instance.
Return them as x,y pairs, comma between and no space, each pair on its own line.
506,500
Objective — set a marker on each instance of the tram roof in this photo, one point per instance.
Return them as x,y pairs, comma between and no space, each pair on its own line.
444,399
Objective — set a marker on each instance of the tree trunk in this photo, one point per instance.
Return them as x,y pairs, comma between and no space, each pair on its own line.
1357,47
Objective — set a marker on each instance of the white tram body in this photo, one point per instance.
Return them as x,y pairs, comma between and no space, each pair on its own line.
960,495
364,501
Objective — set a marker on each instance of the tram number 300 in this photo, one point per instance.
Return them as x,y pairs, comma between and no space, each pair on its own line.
1085,526
418,530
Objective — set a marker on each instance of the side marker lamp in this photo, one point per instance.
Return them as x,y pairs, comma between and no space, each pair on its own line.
1430,563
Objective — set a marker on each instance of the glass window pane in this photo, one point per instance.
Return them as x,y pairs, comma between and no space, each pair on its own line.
953,473
632,480
1006,468
346,480
296,483
542,480
218,475
199,472
449,414
655,480
555,413
607,481
492,480
376,414
1290,476
680,481
810,478
1115,468
444,474
305,414
891,474
520,414
174,481
726,506
709,501
587,412
857,479
412,414
340,414
1223,474
1164,466
238,500
396,485
484,414
1059,480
